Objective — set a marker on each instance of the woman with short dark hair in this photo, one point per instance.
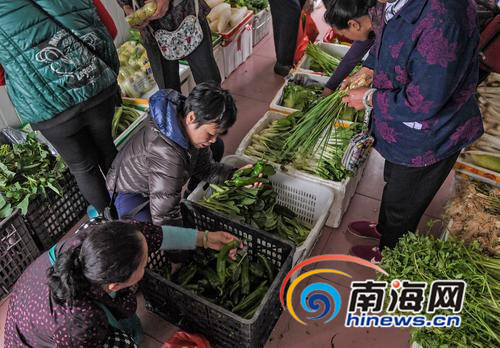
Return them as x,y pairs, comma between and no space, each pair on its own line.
149,173
78,293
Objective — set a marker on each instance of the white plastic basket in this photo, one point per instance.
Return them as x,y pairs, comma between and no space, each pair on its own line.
335,50
309,200
344,190
298,77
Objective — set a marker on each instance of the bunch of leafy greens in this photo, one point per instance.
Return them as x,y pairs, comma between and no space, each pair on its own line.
299,97
253,5
26,171
420,258
248,197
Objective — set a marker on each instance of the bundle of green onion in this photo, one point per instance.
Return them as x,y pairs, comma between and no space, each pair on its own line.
322,60
316,127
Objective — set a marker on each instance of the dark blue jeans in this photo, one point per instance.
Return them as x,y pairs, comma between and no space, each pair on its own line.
125,202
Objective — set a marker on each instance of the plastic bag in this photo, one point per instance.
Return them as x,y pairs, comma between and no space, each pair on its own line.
182,339
308,32
16,136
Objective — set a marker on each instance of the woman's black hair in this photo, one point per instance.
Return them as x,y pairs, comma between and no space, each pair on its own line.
211,104
339,12
110,253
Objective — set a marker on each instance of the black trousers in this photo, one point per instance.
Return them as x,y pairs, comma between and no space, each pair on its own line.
85,144
201,61
285,17
408,191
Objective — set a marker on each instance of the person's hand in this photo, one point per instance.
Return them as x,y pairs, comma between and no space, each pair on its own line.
363,78
355,98
128,11
326,92
308,6
257,184
217,240
162,7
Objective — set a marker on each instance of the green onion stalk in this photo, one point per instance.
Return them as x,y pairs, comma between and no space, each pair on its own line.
326,62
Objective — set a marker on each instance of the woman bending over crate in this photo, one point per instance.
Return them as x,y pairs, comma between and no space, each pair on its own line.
149,173
78,293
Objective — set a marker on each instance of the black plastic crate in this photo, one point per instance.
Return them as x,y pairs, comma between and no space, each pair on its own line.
52,216
191,312
17,251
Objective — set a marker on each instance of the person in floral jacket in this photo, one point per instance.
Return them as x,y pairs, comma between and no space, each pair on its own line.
425,72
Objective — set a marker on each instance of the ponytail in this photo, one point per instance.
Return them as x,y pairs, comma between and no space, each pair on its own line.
66,279
109,253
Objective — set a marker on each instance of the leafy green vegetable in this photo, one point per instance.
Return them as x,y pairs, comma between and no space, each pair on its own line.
256,205
321,61
299,97
26,171
421,258
253,5
238,285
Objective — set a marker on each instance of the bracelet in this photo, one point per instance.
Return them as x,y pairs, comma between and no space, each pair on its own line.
366,97
205,239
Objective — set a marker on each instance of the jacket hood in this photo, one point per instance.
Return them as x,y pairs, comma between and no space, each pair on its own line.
165,108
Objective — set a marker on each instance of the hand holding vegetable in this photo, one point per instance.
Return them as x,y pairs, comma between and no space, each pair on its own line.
363,78
217,240
355,98
136,19
162,7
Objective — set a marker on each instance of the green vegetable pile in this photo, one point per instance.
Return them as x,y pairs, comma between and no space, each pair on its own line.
420,258
123,118
269,144
328,163
321,61
256,205
238,286
316,128
26,171
253,5
299,97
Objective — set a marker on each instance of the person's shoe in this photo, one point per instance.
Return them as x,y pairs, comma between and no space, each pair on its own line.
282,70
367,252
364,229
92,212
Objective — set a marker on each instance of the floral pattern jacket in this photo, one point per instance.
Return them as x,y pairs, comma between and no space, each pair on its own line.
425,63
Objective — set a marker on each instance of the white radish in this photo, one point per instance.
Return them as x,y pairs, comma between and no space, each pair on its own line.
213,3
213,26
223,21
237,16
218,10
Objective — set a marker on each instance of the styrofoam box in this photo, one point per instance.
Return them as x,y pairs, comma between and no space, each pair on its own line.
335,50
344,190
261,25
238,50
298,77
309,200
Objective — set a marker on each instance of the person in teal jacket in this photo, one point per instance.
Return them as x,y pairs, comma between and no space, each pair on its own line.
60,68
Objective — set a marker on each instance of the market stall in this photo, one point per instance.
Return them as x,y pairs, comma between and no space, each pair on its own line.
289,200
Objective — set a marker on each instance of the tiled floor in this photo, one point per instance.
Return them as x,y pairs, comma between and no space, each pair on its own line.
253,85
